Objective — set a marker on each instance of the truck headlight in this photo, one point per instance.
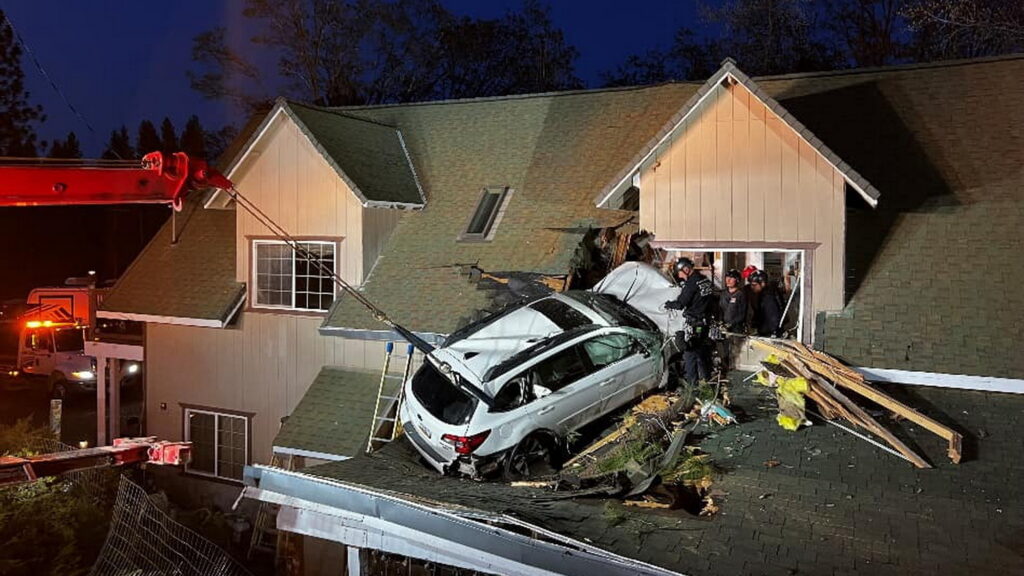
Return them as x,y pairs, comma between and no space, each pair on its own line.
84,375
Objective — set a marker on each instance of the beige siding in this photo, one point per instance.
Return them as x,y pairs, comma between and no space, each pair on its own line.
264,364
291,182
734,172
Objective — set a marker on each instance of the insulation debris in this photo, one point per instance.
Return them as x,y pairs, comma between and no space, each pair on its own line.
799,372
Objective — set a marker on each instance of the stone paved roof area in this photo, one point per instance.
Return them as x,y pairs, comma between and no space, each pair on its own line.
834,504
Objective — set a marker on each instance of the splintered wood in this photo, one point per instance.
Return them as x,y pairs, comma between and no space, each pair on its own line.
825,375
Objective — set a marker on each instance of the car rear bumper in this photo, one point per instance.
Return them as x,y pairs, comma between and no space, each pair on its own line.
469,465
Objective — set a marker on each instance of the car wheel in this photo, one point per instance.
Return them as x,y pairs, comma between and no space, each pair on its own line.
535,455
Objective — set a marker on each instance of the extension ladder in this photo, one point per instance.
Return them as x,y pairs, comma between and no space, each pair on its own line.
264,531
385,425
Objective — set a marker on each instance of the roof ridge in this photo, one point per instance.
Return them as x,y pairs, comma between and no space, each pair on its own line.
893,68
338,111
507,97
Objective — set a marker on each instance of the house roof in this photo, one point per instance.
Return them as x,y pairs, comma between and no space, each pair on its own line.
335,414
729,72
553,150
933,273
832,503
189,282
369,156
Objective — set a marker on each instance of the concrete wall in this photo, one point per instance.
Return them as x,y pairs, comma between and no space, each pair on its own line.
735,173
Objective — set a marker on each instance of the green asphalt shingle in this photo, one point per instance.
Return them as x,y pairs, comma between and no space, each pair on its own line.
194,278
934,273
368,155
335,414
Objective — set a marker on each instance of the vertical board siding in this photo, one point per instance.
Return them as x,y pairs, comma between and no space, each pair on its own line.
265,363
737,172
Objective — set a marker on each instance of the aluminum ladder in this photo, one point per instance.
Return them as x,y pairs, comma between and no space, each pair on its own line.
385,409
265,537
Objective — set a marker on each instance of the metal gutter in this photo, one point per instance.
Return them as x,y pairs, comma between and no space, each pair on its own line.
360,516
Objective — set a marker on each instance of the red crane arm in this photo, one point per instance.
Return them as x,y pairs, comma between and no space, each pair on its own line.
124,451
157,179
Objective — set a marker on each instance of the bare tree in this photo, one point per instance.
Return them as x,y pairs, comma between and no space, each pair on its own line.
967,28
871,32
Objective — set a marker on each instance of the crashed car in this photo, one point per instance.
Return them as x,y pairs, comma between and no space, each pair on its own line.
503,394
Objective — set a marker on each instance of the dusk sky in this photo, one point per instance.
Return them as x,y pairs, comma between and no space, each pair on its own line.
120,62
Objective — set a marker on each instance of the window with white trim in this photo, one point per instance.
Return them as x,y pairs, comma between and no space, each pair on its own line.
283,278
487,214
220,443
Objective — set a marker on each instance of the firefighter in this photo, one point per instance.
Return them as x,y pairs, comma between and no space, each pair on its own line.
695,300
733,303
768,310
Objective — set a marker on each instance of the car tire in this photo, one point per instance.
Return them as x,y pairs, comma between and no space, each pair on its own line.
536,455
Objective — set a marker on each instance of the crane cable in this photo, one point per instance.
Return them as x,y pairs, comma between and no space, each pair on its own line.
289,240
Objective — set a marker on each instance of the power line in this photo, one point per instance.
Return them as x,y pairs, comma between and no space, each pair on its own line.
53,84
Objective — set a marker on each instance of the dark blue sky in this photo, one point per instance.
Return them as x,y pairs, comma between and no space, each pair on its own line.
121,61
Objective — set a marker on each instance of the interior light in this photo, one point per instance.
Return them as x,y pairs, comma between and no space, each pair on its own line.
133,368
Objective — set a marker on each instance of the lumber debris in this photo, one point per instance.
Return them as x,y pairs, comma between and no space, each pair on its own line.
825,375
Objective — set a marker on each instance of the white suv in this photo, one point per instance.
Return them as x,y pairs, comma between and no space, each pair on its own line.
503,393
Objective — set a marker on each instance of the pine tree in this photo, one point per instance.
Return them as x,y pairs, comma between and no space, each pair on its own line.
168,138
148,140
69,147
119,147
17,136
193,138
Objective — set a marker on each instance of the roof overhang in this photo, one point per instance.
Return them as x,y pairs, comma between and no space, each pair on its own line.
359,516
175,320
378,335
282,109
730,73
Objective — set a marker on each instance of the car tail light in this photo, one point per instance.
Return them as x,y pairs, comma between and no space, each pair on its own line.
466,444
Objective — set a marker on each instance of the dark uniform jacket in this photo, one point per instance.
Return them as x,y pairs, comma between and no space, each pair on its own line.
768,315
734,309
696,298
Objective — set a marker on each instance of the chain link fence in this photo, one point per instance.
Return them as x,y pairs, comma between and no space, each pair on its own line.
145,541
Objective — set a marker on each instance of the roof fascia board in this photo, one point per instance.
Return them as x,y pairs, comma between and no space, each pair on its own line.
729,70
408,519
308,453
156,319
377,335
940,380
239,159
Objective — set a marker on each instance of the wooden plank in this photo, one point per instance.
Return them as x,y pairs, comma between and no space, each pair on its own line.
740,176
662,169
648,199
825,294
708,189
691,216
755,180
772,179
677,157
809,189
723,177
839,236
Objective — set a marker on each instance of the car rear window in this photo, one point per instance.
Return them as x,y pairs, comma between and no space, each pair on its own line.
440,397
561,314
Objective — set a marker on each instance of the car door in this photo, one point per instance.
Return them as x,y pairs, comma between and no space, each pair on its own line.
566,390
623,371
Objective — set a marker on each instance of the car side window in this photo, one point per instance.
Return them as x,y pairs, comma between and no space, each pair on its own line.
560,370
608,349
515,393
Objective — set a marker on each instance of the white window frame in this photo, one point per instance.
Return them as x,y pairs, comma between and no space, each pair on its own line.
216,442
255,271
505,195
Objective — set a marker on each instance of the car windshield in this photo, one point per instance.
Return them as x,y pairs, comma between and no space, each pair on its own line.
440,397
70,340
613,310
